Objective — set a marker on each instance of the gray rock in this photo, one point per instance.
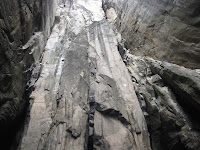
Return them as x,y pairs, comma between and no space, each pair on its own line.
184,82
116,125
165,30
86,101
24,29
83,97
169,125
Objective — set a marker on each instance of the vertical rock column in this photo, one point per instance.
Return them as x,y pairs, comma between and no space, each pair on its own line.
118,120
84,98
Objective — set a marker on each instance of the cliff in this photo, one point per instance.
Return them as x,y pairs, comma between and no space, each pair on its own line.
162,29
99,74
25,26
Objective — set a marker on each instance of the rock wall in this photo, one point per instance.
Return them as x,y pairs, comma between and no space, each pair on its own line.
168,93
84,98
83,95
172,117
24,28
161,29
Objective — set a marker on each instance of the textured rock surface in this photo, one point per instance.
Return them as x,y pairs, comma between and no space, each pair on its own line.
115,101
162,29
184,82
84,98
24,29
170,125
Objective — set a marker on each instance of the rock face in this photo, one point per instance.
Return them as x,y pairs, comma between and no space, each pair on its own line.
24,29
84,98
161,29
160,87
184,82
86,91
118,121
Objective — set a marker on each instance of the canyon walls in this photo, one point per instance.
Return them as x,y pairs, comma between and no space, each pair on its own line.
64,85
161,29
24,28
169,97
84,98
168,93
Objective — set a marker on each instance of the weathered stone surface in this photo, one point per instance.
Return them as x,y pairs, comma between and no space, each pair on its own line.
24,29
84,98
184,82
83,95
170,125
118,120
161,29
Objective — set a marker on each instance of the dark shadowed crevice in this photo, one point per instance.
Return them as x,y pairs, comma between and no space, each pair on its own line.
12,134
90,143
9,36
91,126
